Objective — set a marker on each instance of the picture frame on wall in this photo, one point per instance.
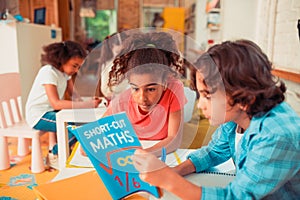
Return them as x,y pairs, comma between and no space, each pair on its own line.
40,15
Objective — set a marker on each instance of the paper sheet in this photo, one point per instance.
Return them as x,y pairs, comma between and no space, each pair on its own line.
173,159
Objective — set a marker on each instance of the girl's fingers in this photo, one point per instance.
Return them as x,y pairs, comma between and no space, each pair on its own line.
97,98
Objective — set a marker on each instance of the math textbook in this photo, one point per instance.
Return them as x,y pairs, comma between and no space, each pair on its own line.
109,143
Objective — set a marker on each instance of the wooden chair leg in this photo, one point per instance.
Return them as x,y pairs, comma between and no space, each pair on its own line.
37,163
4,154
23,146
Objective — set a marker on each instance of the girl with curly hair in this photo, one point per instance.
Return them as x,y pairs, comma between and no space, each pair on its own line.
151,64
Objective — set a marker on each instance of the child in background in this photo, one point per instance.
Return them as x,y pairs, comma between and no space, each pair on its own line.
235,77
110,47
59,62
154,102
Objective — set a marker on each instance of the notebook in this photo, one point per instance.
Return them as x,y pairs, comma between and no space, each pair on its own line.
219,176
211,179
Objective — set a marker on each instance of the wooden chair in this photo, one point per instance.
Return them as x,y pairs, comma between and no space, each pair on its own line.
13,125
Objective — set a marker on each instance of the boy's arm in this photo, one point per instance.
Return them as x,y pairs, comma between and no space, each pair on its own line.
193,192
185,168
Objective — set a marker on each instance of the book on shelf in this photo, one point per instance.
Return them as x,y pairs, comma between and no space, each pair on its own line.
109,143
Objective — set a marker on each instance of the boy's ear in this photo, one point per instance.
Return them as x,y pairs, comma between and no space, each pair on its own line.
243,108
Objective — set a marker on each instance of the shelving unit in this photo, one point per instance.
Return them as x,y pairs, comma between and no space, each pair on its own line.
190,20
195,28
203,23
214,19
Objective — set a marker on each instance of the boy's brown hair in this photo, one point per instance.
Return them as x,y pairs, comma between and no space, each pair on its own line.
244,71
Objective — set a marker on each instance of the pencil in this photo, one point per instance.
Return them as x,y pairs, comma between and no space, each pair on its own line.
163,154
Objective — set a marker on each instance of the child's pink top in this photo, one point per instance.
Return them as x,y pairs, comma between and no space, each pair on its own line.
153,125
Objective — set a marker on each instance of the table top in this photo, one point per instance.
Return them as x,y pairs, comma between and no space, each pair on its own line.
81,115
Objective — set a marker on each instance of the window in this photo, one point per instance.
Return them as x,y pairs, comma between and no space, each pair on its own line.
103,24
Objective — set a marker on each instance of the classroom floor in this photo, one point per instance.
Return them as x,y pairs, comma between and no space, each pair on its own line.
17,182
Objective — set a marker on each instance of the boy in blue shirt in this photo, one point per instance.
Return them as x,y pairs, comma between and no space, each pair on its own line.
239,94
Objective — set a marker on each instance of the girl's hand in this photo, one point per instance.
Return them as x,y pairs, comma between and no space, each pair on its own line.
82,152
151,169
97,102
94,103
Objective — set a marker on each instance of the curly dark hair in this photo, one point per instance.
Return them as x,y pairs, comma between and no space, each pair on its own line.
106,52
244,71
57,54
146,48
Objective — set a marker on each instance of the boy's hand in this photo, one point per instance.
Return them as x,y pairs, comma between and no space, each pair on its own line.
151,168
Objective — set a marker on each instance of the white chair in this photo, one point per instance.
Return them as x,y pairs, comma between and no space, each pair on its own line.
13,125
189,106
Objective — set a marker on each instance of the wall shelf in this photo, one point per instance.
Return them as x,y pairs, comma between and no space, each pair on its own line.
288,75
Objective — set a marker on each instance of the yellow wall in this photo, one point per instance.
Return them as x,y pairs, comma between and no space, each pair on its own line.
174,19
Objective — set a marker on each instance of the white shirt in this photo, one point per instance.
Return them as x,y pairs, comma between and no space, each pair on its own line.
238,137
37,103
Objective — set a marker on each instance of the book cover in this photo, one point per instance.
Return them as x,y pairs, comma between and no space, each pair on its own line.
109,143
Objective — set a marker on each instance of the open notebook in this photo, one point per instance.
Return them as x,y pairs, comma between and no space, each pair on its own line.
202,179
219,176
